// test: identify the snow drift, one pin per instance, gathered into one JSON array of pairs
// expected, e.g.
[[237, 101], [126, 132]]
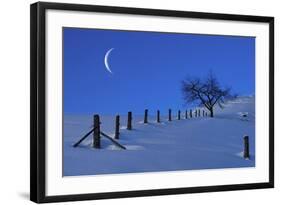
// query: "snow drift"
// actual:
[[187, 144]]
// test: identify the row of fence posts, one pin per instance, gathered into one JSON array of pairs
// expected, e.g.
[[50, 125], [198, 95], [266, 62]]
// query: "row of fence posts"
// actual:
[[197, 113], [97, 132]]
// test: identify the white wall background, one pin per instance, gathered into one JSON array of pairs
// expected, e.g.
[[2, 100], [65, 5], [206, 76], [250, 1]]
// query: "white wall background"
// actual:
[[14, 100]]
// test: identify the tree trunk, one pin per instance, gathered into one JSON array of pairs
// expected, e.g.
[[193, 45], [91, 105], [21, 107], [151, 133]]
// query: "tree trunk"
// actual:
[[211, 112]]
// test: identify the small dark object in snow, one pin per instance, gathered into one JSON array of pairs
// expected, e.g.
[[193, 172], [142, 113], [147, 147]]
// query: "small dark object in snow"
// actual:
[[243, 114]]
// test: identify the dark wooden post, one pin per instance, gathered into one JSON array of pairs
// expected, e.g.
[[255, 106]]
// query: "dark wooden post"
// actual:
[[195, 113], [145, 116], [203, 113], [186, 114], [199, 113], [246, 147], [179, 115], [117, 127], [158, 116], [96, 135], [190, 113], [129, 123], [170, 115]]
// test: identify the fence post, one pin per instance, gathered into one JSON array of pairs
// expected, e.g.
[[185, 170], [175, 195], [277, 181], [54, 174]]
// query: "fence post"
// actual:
[[170, 115], [246, 147], [198, 112], [158, 116], [117, 125], [179, 115], [129, 123], [203, 113], [195, 113], [145, 116], [186, 114], [96, 135], [190, 113]]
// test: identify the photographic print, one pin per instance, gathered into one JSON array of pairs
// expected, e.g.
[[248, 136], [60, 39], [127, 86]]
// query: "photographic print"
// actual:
[[130, 102], [139, 101]]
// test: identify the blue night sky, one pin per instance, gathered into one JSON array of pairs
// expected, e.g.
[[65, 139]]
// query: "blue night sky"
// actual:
[[148, 68]]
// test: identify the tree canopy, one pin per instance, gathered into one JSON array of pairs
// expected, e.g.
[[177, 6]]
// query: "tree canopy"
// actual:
[[207, 92]]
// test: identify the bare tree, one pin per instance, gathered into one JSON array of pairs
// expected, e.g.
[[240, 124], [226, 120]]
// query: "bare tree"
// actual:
[[206, 92]]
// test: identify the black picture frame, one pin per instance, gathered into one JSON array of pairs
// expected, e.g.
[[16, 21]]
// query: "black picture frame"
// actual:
[[38, 101]]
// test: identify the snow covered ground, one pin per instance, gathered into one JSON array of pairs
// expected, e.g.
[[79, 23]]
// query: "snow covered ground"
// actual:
[[187, 144]]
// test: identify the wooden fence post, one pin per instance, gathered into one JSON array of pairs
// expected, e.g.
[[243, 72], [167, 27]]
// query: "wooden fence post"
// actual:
[[170, 115], [145, 116], [158, 116], [179, 115], [117, 127], [129, 123], [190, 113], [246, 147], [96, 135], [198, 112], [186, 114], [195, 113]]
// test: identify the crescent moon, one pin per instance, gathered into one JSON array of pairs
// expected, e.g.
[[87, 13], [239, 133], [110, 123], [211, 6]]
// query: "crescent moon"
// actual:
[[106, 60]]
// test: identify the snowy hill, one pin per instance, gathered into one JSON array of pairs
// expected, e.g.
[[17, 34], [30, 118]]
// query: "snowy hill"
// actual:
[[187, 144]]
